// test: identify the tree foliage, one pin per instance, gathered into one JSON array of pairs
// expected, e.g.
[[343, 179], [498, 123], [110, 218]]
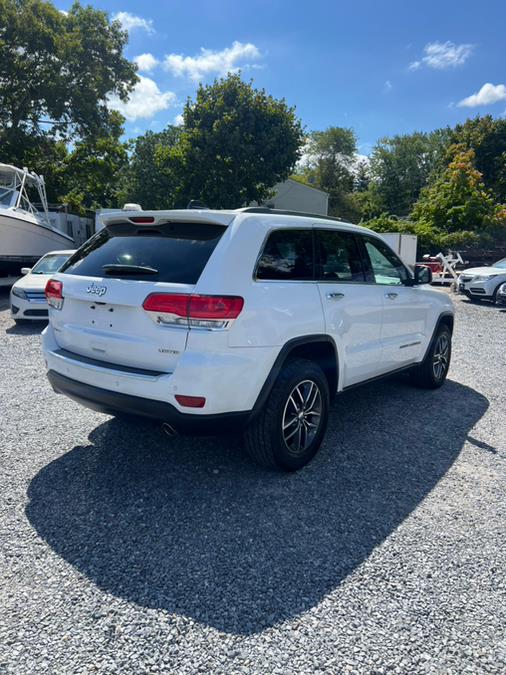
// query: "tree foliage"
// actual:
[[457, 207], [486, 136], [148, 183], [237, 142], [95, 167], [401, 166], [57, 70], [56, 73], [330, 166]]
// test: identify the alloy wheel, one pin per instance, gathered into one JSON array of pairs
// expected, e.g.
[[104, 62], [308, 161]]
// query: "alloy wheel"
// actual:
[[441, 356], [302, 416]]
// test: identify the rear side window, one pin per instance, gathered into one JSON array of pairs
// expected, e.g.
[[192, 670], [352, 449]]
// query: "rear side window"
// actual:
[[288, 254], [171, 252], [339, 257]]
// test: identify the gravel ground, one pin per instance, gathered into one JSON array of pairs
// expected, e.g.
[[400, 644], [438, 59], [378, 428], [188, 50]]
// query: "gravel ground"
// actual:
[[123, 551]]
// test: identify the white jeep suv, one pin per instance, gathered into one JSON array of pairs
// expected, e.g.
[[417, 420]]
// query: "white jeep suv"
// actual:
[[252, 319]]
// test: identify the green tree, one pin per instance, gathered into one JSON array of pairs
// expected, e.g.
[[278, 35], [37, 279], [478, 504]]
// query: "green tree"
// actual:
[[457, 208], [94, 169], [362, 176], [330, 166], [487, 137], [237, 143], [147, 184], [57, 70], [402, 165]]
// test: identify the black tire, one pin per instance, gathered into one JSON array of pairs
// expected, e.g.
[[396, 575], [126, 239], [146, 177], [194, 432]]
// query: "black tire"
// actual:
[[494, 294], [265, 440], [432, 372]]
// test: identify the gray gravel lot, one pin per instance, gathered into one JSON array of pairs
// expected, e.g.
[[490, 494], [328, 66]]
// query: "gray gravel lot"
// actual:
[[123, 551]]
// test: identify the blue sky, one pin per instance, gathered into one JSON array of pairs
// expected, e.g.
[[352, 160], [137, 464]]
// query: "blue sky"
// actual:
[[381, 67]]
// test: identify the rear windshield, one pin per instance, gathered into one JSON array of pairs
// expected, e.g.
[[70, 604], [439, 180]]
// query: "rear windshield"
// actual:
[[171, 252]]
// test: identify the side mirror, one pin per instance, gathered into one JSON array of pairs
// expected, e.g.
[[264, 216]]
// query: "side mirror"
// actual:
[[423, 275], [26, 270]]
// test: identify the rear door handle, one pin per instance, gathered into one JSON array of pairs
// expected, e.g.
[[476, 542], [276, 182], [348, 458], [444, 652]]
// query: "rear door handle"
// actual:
[[391, 296], [335, 296]]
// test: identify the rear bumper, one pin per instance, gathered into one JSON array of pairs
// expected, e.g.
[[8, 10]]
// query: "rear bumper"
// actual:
[[229, 381], [113, 402]]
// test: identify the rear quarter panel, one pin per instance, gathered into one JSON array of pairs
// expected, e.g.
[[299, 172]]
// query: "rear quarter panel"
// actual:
[[274, 311]]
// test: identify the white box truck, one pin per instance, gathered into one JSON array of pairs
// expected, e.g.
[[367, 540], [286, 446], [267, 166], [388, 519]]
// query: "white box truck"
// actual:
[[404, 245]]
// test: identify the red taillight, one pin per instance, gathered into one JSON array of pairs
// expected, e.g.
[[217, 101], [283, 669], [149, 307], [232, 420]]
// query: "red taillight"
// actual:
[[54, 293], [167, 304], [142, 219], [191, 401], [199, 311], [215, 306]]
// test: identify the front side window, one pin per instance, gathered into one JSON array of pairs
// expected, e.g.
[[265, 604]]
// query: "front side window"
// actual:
[[338, 257], [288, 254], [386, 267]]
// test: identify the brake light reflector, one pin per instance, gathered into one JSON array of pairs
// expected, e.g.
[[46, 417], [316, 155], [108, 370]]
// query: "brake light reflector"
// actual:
[[197, 311], [142, 219], [54, 293], [191, 401]]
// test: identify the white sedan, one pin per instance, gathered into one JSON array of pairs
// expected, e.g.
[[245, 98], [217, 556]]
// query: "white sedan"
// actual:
[[482, 283], [28, 301]]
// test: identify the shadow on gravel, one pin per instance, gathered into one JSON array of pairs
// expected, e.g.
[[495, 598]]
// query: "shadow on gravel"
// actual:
[[4, 297], [192, 527], [28, 328]]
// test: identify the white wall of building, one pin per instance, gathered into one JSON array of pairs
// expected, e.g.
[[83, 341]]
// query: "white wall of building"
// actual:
[[294, 196]]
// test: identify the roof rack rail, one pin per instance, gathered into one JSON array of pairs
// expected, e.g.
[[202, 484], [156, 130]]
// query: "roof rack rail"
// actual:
[[283, 212]]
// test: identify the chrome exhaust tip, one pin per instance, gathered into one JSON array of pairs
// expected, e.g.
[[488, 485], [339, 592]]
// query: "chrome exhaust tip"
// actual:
[[168, 429]]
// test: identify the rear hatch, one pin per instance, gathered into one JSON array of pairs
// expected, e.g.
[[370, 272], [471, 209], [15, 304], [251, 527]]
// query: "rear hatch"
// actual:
[[106, 283]]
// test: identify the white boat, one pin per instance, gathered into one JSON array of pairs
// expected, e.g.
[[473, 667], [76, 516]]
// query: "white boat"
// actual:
[[26, 232]]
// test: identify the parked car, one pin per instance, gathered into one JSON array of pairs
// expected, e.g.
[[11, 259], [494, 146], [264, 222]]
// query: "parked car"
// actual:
[[28, 302], [239, 320], [482, 283], [501, 295]]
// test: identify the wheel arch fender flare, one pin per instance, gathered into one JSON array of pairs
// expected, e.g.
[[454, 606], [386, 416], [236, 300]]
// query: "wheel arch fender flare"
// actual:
[[291, 347], [446, 318]]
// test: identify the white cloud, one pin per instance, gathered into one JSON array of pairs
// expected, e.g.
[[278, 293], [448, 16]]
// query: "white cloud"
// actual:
[[129, 22], [178, 121], [146, 62], [145, 100], [210, 62], [488, 94], [387, 87], [442, 55]]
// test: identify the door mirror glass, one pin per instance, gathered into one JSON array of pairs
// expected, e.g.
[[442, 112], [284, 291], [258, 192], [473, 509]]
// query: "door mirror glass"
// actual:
[[423, 274]]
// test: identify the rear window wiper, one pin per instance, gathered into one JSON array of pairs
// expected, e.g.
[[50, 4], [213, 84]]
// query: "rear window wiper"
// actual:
[[128, 269]]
